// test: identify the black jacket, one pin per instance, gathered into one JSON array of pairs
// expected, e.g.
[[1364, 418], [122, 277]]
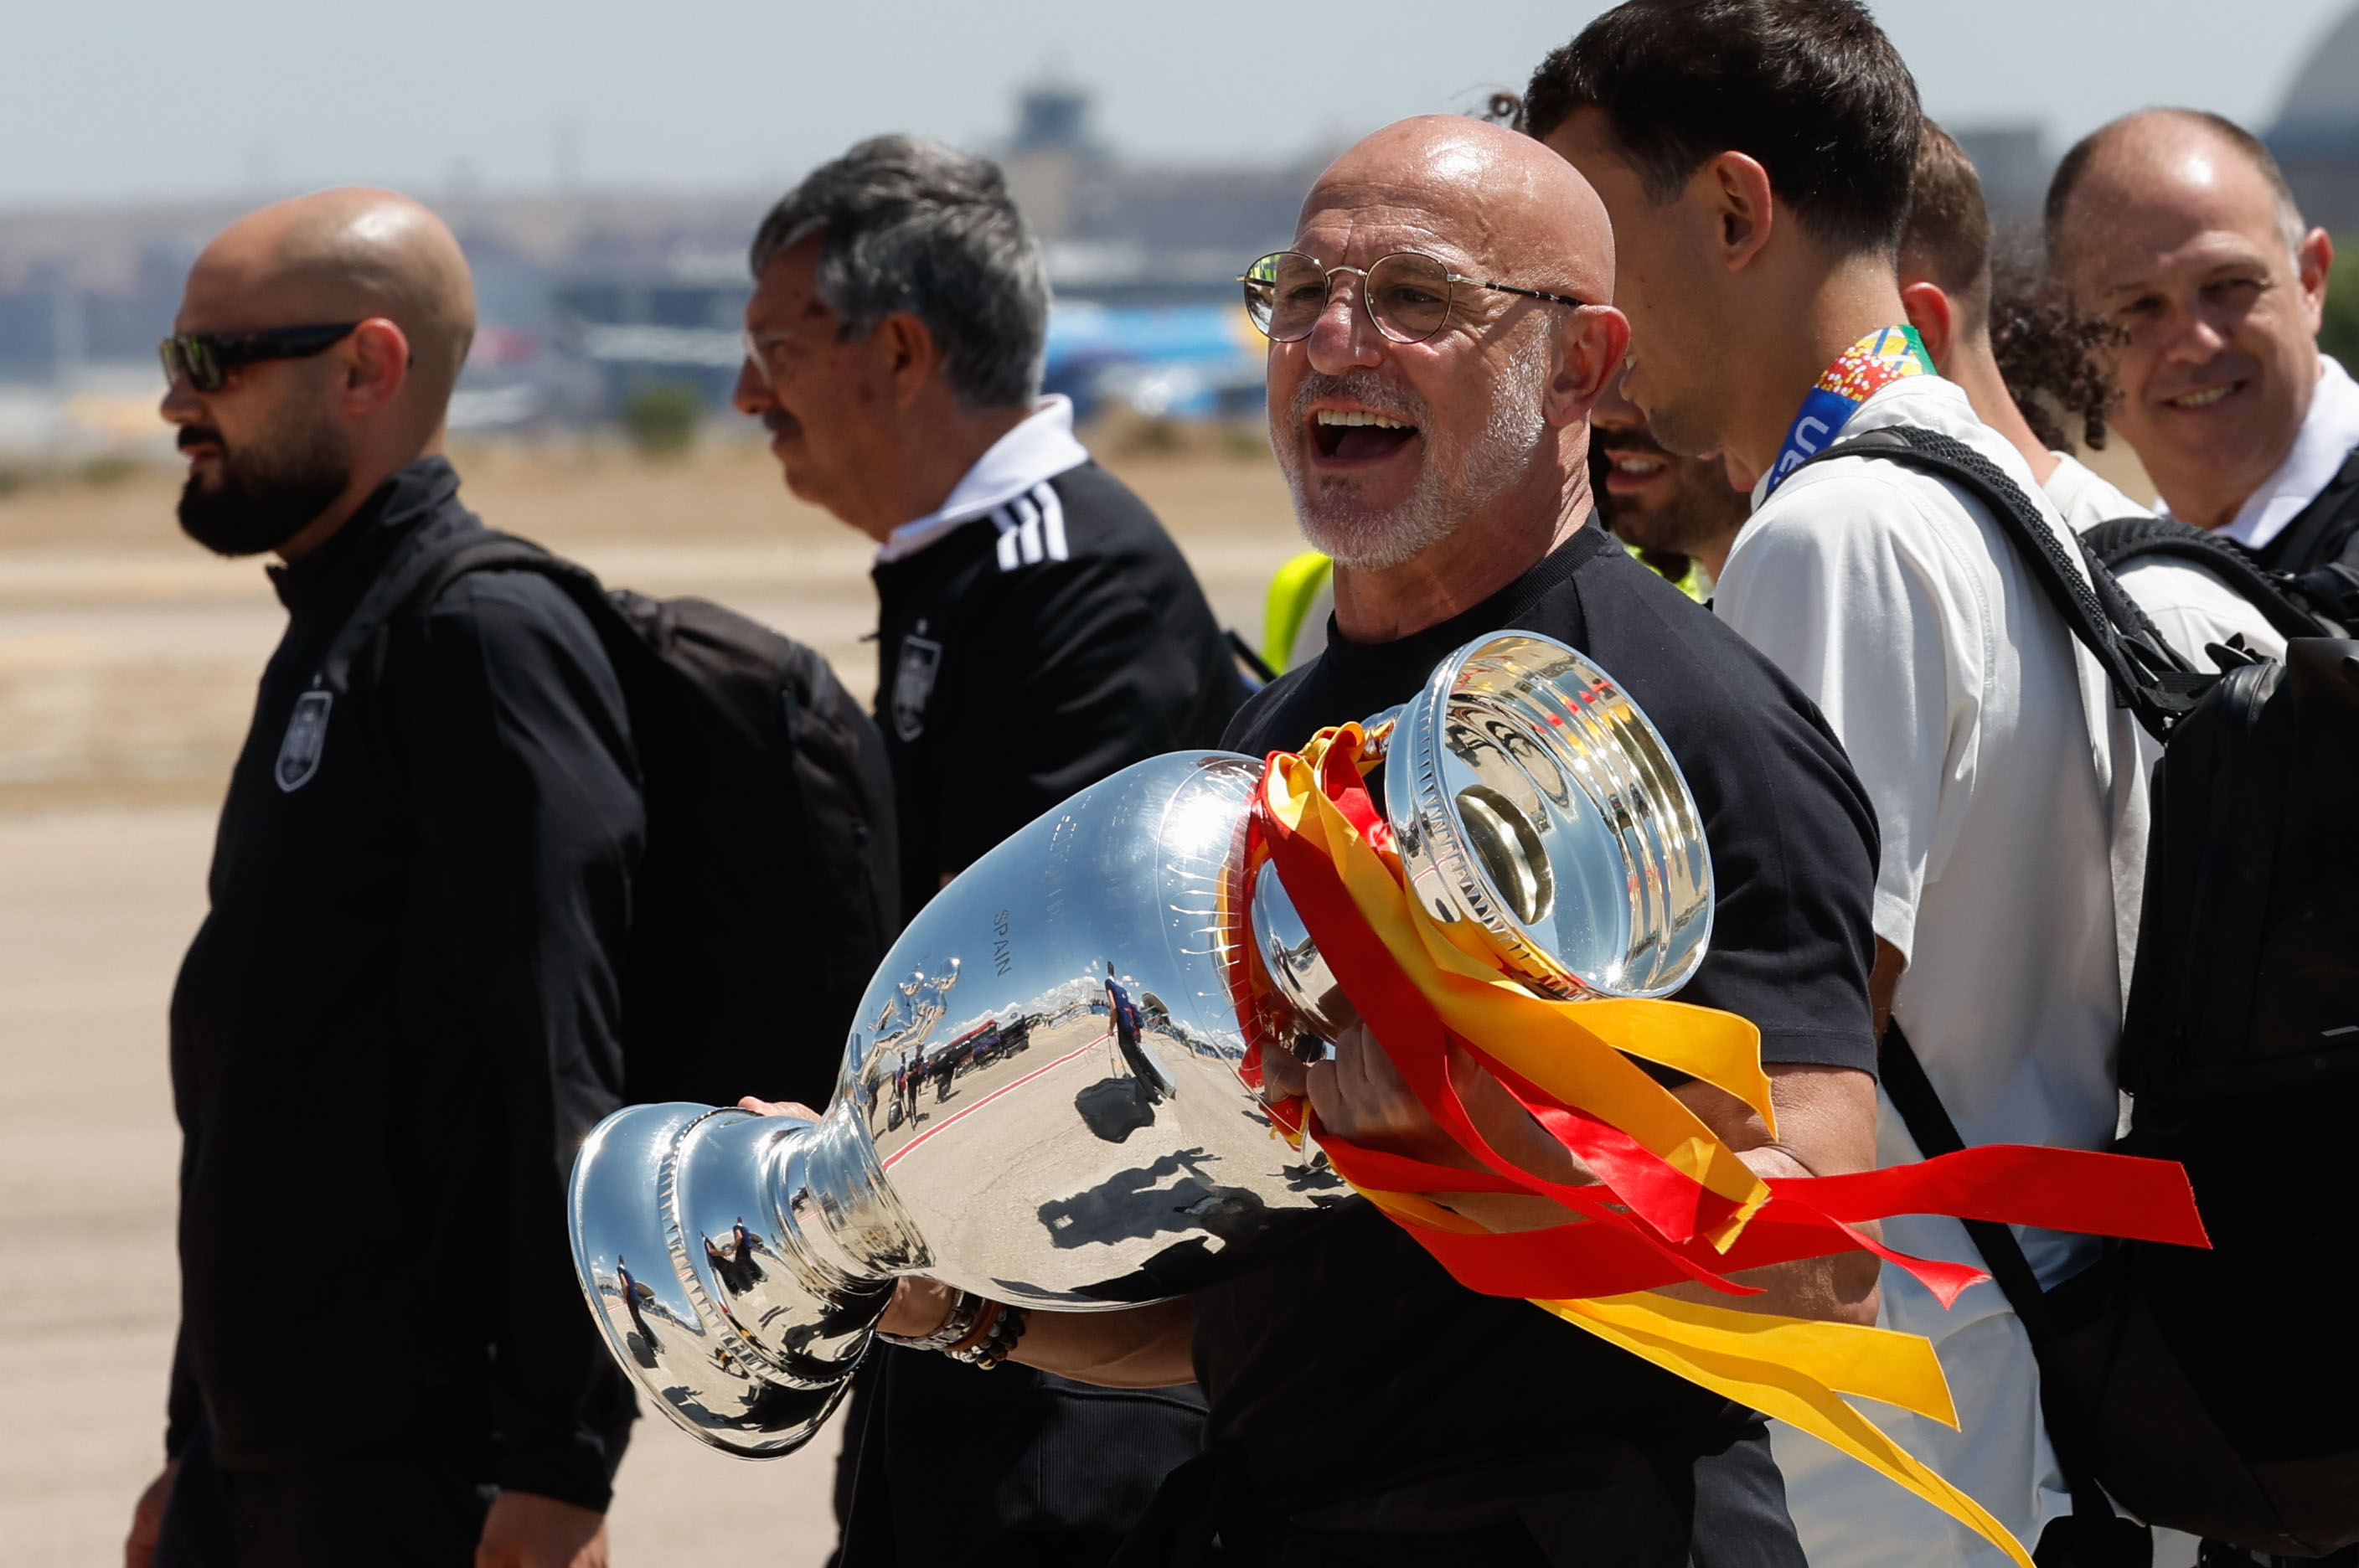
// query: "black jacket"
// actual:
[[1030, 653], [1025, 655], [2323, 529], [396, 1023]]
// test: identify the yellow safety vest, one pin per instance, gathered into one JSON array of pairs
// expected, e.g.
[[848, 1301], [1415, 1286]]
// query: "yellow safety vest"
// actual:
[[1295, 588]]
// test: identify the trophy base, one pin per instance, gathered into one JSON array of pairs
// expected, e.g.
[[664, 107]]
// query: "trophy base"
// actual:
[[719, 1319]]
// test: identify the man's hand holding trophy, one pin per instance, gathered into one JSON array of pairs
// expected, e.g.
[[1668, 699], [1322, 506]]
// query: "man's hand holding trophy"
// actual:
[[1171, 1023]]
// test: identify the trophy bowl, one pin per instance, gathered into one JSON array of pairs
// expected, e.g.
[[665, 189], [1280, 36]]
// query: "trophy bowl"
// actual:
[[1045, 1099]]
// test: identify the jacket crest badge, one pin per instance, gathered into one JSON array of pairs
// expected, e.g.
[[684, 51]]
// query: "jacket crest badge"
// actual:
[[307, 733], [913, 685]]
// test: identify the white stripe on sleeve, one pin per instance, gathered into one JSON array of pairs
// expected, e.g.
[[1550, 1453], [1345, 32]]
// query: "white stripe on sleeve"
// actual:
[[1030, 532], [1003, 521], [1052, 521]]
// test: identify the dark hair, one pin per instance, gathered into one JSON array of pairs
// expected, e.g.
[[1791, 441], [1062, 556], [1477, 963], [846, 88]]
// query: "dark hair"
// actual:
[[1948, 238], [910, 224], [1811, 89], [2048, 350], [2075, 165]]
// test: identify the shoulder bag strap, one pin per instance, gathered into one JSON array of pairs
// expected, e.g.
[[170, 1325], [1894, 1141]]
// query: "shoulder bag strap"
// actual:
[[2150, 680], [1902, 1077], [426, 562]]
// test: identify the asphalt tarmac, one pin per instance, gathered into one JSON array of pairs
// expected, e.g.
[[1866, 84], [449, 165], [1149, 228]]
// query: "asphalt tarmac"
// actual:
[[127, 665]]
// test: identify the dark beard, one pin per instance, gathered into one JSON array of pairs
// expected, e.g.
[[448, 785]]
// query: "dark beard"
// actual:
[[1705, 508], [267, 493]]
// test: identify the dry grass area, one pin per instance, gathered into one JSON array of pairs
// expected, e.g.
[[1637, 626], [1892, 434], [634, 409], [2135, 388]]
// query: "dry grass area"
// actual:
[[127, 664]]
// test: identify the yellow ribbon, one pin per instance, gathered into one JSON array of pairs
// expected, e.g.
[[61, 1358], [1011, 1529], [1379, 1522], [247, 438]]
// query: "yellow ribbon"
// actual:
[[1795, 1369]]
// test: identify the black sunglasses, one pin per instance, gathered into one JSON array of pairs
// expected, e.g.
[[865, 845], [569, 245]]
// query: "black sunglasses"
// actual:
[[207, 358]]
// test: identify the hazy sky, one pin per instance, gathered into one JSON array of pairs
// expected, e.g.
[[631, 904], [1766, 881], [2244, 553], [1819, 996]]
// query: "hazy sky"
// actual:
[[102, 99]]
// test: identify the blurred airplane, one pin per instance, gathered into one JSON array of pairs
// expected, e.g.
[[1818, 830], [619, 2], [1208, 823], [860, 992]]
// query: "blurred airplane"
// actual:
[[1179, 361]]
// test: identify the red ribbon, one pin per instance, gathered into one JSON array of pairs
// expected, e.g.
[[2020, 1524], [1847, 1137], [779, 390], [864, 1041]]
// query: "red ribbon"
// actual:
[[1646, 1219]]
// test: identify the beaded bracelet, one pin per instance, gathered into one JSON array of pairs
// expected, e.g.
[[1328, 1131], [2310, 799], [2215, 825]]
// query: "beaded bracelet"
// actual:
[[964, 1311], [997, 1340]]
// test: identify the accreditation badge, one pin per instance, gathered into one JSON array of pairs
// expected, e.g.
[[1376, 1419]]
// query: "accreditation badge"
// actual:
[[307, 733], [913, 685]]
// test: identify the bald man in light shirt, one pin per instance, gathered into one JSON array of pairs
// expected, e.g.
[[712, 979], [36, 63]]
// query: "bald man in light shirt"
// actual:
[[2177, 227], [1945, 285]]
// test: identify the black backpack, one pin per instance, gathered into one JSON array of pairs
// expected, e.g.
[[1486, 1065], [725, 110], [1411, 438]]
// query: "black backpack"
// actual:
[[768, 892], [2215, 1392]]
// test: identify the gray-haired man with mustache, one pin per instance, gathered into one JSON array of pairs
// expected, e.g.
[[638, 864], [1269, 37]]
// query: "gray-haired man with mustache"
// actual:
[[1037, 630]]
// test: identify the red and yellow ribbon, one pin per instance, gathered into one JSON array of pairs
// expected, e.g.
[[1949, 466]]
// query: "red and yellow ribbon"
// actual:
[[1672, 1201]]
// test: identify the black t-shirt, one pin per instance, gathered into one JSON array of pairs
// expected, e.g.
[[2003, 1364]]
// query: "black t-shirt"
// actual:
[[1361, 1382]]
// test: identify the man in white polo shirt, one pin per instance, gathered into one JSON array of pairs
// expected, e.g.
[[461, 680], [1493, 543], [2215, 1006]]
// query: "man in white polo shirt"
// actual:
[[1758, 269], [2177, 227]]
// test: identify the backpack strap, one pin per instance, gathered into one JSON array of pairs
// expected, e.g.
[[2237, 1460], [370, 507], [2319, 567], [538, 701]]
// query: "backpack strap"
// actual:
[[1903, 1079], [430, 560], [2124, 542], [2150, 680]]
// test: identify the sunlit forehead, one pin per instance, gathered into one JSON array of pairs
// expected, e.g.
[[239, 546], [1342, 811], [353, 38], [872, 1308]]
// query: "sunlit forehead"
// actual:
[[1354, 226]]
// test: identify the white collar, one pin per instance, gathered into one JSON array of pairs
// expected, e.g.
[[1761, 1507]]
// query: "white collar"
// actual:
[[1032, 453], [2328, 433]]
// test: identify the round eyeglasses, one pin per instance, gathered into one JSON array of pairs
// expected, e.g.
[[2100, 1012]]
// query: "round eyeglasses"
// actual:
[[1406, 294]]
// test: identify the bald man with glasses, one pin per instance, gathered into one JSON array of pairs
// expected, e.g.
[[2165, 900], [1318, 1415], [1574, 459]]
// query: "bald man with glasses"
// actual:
[[1433, 360]]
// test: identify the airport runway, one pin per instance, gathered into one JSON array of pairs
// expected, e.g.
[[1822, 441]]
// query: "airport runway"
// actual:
[[127, 665]]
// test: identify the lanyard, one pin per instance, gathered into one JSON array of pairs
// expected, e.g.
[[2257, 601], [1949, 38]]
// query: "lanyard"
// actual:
[[1883, 356]]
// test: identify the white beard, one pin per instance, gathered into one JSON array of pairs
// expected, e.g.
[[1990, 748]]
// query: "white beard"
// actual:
[[1451, 487]]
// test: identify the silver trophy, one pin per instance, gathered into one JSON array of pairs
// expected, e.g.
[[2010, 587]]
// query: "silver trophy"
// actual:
[[1043, 1100]]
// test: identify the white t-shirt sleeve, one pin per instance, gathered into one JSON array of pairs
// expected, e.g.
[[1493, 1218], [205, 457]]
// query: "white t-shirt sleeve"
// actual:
[[2193, 609], [1873, 616]]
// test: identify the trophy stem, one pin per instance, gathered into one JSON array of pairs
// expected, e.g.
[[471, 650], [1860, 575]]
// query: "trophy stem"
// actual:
[[849, 1233]]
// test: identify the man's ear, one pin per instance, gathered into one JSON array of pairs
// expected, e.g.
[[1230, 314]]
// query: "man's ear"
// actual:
[[1734, 190], [377, 364], [1934, 315], [910, 356], [1590, 348], [2315, 255]]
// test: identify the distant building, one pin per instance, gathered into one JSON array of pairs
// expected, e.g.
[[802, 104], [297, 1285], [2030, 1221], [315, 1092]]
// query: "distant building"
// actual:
[[585, 299], [1120, 234], [2013, 164]]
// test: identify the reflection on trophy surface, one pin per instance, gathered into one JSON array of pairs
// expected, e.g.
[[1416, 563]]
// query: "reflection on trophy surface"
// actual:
[[1050, 1097]]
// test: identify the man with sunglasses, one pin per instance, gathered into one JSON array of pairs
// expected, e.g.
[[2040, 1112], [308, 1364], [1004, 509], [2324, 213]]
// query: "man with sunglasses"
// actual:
[[1434, 357], [1037, 630], [402, 1011]]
